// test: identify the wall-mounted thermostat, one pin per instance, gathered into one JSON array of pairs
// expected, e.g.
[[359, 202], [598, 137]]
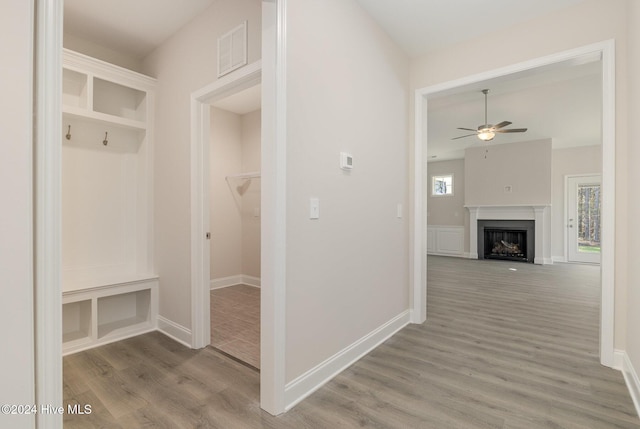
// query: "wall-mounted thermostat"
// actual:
[[346, 161]]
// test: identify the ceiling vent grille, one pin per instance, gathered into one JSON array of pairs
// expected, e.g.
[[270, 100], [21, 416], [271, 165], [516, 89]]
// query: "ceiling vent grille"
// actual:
[[232, 49]]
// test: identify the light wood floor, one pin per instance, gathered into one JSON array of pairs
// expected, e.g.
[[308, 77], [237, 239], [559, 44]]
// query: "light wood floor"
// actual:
[[500, 349], [235, 322]]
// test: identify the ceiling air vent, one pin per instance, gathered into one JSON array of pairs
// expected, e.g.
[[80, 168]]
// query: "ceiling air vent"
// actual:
[[232, 49]]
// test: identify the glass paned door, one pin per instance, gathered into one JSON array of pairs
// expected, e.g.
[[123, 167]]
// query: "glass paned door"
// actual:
[[583, 223]]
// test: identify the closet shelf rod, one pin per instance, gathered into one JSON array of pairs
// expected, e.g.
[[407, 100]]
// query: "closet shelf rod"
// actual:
[[252, 175]]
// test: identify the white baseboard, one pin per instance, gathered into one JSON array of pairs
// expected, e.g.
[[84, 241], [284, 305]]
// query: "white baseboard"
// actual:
[[250, 280], [175, 331], [312, 380], [560, 259], [239, 279], [618, 359], [632, 380], [226, 281], [453, 255]]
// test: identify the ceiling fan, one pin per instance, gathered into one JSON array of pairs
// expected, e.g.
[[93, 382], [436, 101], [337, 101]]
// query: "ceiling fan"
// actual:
[[487, 131]]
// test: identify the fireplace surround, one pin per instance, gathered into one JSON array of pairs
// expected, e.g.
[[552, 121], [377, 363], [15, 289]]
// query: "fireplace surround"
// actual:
[[540, 214]]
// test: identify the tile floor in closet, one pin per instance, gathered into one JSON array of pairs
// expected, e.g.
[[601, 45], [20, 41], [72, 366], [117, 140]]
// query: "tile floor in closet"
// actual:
[[235, 322]]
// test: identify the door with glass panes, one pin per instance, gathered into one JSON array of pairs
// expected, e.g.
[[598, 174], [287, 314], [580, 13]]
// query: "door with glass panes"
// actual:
[[583, 219]]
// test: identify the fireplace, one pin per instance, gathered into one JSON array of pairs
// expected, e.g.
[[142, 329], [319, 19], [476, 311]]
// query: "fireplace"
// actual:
[[511, 240], [537, 217]]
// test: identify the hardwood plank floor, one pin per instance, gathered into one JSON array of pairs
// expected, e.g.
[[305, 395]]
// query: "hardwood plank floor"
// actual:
[[501, 349]]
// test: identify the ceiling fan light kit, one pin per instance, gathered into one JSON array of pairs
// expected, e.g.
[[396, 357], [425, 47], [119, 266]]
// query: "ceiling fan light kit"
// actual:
[[486, 134], [488, 131]]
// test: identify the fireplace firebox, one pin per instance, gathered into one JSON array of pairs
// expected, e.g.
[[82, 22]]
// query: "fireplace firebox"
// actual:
[[511, 240]]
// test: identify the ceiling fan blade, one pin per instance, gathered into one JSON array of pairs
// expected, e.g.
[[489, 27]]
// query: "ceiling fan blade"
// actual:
[[467, 129], [501, 124], [512, 130], [468, 135]]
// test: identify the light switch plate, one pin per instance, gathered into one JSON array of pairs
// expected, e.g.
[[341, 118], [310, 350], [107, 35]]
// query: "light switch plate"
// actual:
[[314, 208]]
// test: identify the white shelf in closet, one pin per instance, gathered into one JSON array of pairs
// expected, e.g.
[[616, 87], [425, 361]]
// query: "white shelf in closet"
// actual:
[[98, 91], [103, 118], [110, 291], [75, 91], [76, 322], [101, 315]]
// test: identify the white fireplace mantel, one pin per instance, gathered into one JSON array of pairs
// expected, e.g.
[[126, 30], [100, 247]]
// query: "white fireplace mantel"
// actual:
[[538, 213]]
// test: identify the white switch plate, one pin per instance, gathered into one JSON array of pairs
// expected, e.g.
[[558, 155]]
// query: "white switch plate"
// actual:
[[399, 212], [314, 208]]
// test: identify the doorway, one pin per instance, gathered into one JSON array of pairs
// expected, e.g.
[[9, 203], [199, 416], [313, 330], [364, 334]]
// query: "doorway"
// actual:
[[583, 219], [48, 289], [606, 53], [234, 210]]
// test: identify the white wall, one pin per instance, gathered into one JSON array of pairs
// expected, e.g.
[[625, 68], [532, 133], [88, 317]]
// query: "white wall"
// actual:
[[225, 201], [94, 50], [449, 209], [184, 63], [234, 203], [251, 140], [588, 22], [508, 174], [16, 189], [580, 160], [633, 195], [347, 272]]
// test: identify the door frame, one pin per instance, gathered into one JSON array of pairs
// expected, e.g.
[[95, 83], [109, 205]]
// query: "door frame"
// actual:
[[606, 50], [47, 196], [273, 202], [201, 101], [47, 206], [566, 210]]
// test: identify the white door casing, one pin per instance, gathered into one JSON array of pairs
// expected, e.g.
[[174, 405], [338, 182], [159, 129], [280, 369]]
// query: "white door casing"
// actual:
[[606, 51]]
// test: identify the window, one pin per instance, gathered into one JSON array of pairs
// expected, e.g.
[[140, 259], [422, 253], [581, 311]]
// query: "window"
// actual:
[[442, 185]]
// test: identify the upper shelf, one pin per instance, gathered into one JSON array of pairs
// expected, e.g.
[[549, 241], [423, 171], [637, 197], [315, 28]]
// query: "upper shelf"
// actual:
[[79, 112], [111, 95]]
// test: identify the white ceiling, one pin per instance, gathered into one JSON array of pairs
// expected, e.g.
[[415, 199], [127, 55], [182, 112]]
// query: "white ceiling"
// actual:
[[420, 26], [240, 103], [560, 103], [131, 27], [136, 27]]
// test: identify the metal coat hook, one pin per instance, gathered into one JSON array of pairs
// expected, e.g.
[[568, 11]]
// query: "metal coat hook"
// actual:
[[68, 136], [106, 140]]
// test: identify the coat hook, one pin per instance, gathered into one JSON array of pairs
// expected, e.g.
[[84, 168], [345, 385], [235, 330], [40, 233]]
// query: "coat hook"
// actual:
[[105, 141], [68, 136]]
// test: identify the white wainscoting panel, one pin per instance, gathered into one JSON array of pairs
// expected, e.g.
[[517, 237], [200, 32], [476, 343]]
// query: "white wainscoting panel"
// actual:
[[445, 240]]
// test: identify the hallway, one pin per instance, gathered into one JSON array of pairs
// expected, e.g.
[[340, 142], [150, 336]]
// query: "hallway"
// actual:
[[500, 349]]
